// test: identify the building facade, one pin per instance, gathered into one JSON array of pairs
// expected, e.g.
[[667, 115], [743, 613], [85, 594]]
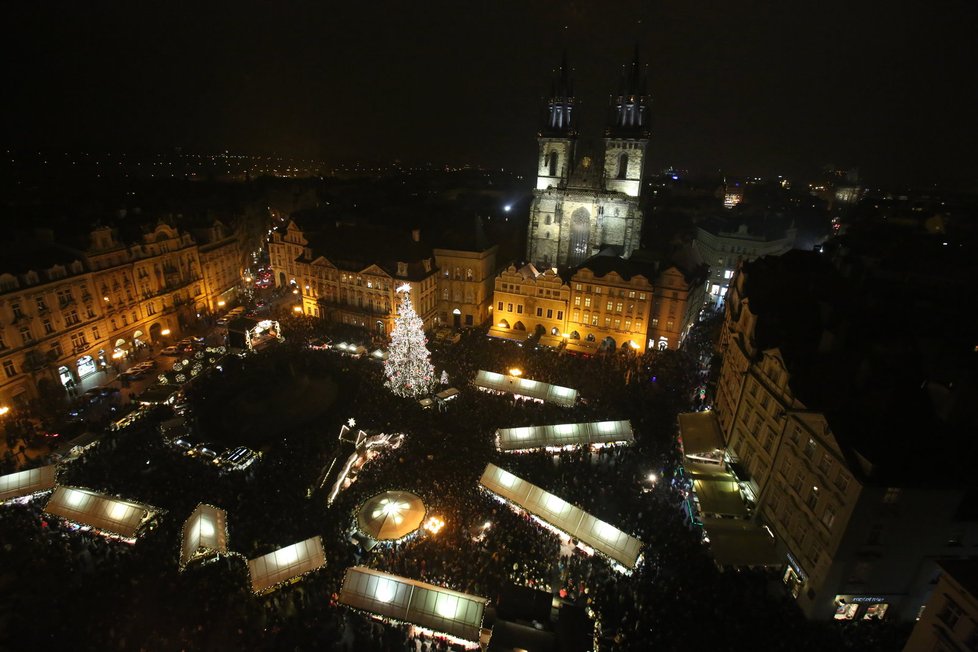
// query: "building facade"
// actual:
[[350, 275], [606, 303], [859, 533], [723, 248], [949, 620], [582, 202], [67, 314]]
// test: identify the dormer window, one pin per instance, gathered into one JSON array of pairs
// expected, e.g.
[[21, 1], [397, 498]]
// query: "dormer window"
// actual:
[[402, 269]]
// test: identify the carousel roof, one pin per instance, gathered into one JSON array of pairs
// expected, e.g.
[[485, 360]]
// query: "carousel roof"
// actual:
[[100, 511], [391, 515], [204, 534], [25, 483]]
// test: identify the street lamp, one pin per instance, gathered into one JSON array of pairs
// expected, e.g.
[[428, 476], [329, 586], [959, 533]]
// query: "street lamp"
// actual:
[[165, 332], [297, 309], [515, 372], [4, 410]]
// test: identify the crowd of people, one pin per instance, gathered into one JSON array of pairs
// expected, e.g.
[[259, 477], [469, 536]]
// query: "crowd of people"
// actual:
[[97, 593]]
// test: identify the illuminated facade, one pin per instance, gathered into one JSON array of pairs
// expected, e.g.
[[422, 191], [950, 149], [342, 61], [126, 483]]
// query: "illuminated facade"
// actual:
[[722, 248], [858, 532], [350, 275], [608, 303], [582, 203], [68, 319], [465, 285]]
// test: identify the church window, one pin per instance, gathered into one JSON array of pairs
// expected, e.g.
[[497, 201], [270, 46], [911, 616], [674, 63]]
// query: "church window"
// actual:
[[622, 166], [553, 164], [548, 220]]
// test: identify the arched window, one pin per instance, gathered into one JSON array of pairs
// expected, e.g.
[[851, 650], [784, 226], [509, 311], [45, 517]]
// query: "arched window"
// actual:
[[575, 335], [580, 234], [519, 326], [554, 331], [547, 220], [552, 162], [590, 337], [504, 324], [623, 166]]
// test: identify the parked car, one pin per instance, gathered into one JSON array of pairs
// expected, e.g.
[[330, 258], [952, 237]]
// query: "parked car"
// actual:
[[171, 350], [182, 444], [223, 321], [208, 451]]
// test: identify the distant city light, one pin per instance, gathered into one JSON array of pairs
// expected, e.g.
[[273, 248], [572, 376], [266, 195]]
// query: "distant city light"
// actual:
[[508, 207]]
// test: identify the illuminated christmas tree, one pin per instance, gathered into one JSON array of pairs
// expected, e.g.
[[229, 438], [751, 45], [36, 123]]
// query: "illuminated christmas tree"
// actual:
[[408, 366]]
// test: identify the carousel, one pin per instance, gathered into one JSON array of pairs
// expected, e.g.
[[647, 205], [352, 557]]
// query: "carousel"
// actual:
[[391, 515]]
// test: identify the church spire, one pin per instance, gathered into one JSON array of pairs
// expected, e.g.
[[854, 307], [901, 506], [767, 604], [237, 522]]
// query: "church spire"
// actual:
[[560, 105], [628, 111]]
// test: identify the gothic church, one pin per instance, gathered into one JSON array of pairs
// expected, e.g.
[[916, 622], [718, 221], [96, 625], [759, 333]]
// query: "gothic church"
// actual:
[[581, 206]]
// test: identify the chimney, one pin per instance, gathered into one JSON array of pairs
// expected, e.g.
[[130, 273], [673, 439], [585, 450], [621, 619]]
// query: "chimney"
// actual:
[[416, 235]]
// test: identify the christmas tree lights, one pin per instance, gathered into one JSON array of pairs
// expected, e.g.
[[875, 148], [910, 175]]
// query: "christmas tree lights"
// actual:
[[408, 366]]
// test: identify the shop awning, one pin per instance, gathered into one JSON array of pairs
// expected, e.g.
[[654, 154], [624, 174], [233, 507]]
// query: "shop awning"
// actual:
[[286, 564], [508, 334], [700, 432], [740, 543], [564, 434], [575, 522], [205, 534], [497, 382], [410, 601], [26, 483], [100, 511]]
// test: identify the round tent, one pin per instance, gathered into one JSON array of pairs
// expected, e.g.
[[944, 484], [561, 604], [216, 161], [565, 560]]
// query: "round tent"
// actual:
[[391, 515]]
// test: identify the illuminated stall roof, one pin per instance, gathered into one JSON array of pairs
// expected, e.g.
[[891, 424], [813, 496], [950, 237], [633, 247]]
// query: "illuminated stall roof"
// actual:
[[700, 432], [425, 605], [26, 483], [205, 534], [564, 434], [100, 511], [593, 532], [540, 391], [285, 564], [391, 515]]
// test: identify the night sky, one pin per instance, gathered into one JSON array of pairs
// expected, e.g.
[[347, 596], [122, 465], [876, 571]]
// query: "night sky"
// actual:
[[748, 88]]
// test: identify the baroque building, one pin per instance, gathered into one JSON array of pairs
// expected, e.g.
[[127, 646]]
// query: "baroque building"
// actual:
[[67, 311], [584, 202], [350, 274], [836, 425]]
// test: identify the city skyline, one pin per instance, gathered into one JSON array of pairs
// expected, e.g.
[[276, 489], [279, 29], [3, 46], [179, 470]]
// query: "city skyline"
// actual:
[[767, 90]]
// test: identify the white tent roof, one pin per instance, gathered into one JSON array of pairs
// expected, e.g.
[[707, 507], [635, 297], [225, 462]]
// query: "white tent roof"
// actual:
[[284, 564], [603, 537], [25, 483], [426, 605], [205, 533], [100, 511], [564, 434], [391, 515], [497, 382]]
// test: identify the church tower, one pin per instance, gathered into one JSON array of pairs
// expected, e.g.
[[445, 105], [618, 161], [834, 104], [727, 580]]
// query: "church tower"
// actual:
[[627, 135], [557, 135], [583, 207]]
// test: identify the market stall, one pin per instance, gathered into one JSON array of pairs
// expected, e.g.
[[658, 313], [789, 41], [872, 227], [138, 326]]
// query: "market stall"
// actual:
[[525, 387], [27, 483], [286, 565], [595, 434], [428, 606], [595, 534], [103, 513], [251, 334], [205, 534], [391, 515]]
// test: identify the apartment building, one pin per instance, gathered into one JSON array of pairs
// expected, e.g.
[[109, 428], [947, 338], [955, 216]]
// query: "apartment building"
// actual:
[[838, 443]]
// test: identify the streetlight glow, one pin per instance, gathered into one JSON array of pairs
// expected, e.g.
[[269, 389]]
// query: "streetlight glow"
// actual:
[[515, 372]]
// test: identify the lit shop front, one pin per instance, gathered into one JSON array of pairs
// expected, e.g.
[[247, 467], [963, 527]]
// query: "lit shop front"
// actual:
[[248, 334], [862, 607], [86, 366], [794, 577]]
